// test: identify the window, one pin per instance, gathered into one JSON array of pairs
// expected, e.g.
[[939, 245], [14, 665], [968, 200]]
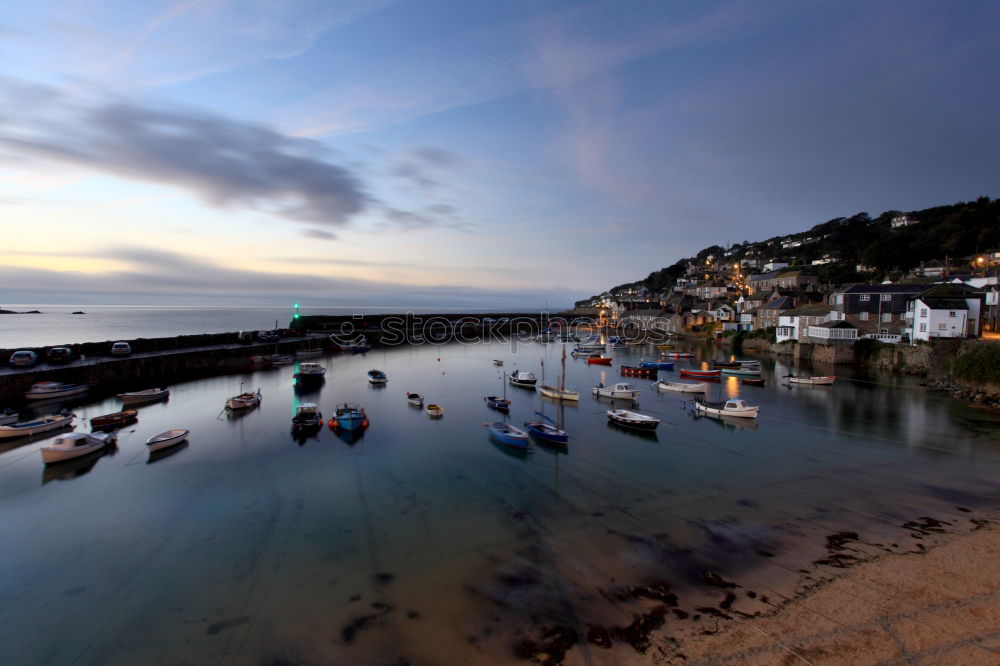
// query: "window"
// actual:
[[886, 316], [863, 316], [923, 328], [942, 326], [923, 313], [865, 297], [886, 297], [951, 314]]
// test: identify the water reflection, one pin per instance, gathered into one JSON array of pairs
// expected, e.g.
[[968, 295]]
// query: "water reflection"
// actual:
[[160, 454]]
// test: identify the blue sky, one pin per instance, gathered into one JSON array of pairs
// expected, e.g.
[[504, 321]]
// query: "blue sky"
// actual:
[[483, 154]]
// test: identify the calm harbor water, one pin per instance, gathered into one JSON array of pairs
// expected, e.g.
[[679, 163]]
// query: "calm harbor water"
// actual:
[[423, 542], [56, 325]]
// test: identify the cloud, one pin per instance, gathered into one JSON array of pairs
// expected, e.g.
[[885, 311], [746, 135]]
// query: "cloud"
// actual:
[[318, 234], [437, 156], [416, 176], [166, 277], [226, 163]]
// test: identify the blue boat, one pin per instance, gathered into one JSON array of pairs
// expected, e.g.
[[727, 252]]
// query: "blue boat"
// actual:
[[546, 430], [663, 365], [508, 434], [349, 416], [497, 403]]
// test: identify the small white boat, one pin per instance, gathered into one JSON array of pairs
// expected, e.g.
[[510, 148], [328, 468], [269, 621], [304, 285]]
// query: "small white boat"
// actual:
[[814, 381], [620, 391], [310, 371], [523, 378], [167, 439], [148, 395], [434, 410], [377, 377], [682, 387], [36, 426], [415, 399], [243, 401], [46, 390], [731, 407], [76, 444], [558, 393], [624, 417], [8, 416]]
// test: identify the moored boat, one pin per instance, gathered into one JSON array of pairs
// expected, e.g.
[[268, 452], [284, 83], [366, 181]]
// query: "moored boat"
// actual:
[[359, 344], [724, 364], [508, 434], [701, 374], [545, 430], [679, 354], [620, 391], [415, 399], [497, 403], [741, 372], [307, 417], [76, 444], [633, 371], [47, 390], [243, 401], [274, 360], [147, 395], [682, 387], [434, 410], [497, 361], [523, 378], [36, 426], [814, 381], [661, 364], [731, 407], [624, 417], [113, 420], [377, 377], [167, 438], [349, 416], [8, 416], [752, 381], [599, 360], [310, 371]]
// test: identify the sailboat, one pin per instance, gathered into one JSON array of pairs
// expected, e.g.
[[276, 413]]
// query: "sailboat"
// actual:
[[499, 404], [560, 393], [546, 430]]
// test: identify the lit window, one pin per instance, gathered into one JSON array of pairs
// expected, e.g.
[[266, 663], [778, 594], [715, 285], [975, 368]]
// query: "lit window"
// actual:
[[866, 297], [886, 297]]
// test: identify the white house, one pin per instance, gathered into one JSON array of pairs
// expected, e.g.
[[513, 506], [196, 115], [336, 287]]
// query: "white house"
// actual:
[[774, 266], [944, 318]]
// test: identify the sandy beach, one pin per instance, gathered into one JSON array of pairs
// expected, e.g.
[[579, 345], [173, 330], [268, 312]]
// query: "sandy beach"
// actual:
[[941, 606]]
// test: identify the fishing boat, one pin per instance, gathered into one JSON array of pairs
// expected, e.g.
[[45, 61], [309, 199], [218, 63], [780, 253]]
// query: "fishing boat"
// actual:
[[76, 444], [415, 399], [546, 430], [243, 400], [47, 390], [661, 364], [624, 417], [359, 344], [634, 371], [8, 416], [599, 360], [752, 381], [166, 439], [558, 392], [741, 372], [813, 381], [348, 416], [682, 387], [147, 395], [620, 391], [114, 420], [522, 378], [582, 353], [310, 371], [497, 361], [434, 411], [701, 374], [377, 377], [307, 417], [731, 407], [36, 426], [679, 354], [590, 347], [510, 435]]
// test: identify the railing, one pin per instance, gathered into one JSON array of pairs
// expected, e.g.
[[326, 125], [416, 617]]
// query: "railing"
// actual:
[[884, 337]]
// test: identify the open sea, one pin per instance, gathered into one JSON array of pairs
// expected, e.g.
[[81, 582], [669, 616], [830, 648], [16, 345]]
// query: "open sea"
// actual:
[[424, 542], [99, 323]]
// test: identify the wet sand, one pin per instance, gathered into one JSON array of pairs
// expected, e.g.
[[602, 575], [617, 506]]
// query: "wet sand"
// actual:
[[940, 606]]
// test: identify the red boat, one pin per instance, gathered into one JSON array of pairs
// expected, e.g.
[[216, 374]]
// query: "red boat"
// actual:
[[702, 374], [599, 360], [113, 420], [632, 371], [752, 381]]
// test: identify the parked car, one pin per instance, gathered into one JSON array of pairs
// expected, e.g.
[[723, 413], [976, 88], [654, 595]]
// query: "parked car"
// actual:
[[23, 359], [59, 355], [121, 349], [268, 336]]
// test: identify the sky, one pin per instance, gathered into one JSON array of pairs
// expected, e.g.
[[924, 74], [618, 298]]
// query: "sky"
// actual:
[[484, 154]]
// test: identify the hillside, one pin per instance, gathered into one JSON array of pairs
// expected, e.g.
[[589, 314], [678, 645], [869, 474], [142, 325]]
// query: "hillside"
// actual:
[[954, 233]]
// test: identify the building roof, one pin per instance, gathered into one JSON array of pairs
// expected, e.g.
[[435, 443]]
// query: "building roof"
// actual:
[[945, 303], [837, 323], [886, 289], [817, 310], [779, 304]]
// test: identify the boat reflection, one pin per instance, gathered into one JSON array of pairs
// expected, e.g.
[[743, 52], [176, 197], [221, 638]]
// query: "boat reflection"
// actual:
[[649, 435], [728, 422], [350, 437], [513, 452], [160, 454], [75, 467]]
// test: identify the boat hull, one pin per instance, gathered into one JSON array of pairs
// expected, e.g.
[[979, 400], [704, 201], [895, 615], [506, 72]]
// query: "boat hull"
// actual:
[[140, 397], [628, 421], [34, 427], [95, 442], [747, 413], [499, 404], [166, 439], [116, 419], [61, 392], [509, 435], [681, 387], [812, 381], [702, 374], [558, 393]]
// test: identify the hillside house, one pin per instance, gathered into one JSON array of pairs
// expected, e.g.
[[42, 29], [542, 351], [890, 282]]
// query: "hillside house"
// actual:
[[880, 309], [947, 311], [794, 324], [767, 314]]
